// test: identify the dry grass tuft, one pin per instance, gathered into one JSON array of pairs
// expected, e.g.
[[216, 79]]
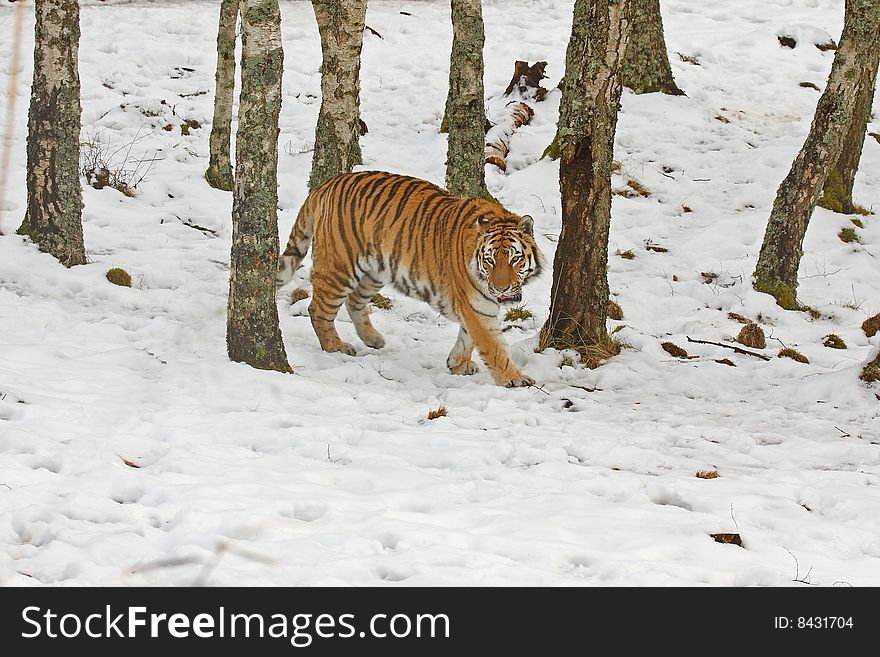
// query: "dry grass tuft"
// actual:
[[708, 474], [381, 302], [119, 276], [848, 235], [833, 341], [674, 350], [615, 312], [871, 325], [732, 539], [298, 295], [736, 317], [518, 314], [638, 188], [871, 372], [629, 254], [788, 352], [440, 412], [752, 335], [595, 354]]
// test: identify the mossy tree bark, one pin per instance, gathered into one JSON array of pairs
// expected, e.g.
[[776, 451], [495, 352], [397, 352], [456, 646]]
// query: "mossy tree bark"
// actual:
[[465, 114], [252, 332], [53, 219], [219, 173], [646, 66], [837, 194], [587, 123], [337, 149], [781, 251]]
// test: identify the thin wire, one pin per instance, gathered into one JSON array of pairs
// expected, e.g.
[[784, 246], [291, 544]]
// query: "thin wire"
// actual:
[[10, 106]]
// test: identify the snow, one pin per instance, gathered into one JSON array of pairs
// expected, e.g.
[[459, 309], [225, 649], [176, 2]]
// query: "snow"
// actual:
[[334, 475]]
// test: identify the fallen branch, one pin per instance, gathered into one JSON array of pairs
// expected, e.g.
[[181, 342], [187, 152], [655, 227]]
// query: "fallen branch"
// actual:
[[498, 138], [730, 346], [374, 32]]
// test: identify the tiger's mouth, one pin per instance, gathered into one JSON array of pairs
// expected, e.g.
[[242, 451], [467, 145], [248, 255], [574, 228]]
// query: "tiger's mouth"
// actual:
[[513, 298]]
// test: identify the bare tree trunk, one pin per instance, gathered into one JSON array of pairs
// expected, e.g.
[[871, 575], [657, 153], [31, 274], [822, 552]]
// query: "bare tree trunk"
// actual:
[[646, 66], [53, 219], [465, 114], [337, 150], [587, 123], [252, 332], [838, 189], [776, 271], [219, 173]]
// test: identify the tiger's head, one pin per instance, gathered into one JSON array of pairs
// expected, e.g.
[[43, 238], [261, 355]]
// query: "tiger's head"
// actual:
[[506, 256]]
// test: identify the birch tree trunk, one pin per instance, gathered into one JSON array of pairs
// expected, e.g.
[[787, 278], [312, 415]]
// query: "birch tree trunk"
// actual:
[[219, 173], [587, 123], [465, 114], [776, 271], [252, 332], [646, 66], [53, 219], [337, 150], [838, 189]]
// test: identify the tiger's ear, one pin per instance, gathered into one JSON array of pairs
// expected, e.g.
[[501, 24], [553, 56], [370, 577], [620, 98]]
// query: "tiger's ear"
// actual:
[[483, 224], [527, 225]]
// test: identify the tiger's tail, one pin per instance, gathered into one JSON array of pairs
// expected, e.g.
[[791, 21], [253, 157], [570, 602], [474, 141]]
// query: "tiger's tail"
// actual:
[[297, 244]]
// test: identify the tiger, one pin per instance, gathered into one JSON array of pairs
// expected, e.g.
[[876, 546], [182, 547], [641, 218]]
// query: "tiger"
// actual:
[[465, 257]]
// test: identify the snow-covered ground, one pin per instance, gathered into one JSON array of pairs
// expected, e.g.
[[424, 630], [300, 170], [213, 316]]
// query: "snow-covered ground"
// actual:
[[132, 452]]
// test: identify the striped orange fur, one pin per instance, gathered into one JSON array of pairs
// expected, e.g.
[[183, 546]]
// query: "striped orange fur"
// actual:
[[463, 256]]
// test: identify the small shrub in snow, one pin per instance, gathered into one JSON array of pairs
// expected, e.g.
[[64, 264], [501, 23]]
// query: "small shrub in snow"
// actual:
[[708, 474], [440, 412], [298, 294], [834, 341]]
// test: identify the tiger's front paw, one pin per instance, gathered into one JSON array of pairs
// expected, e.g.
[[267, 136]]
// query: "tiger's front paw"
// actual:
[[343, 347], [466, 368], [520, 381]]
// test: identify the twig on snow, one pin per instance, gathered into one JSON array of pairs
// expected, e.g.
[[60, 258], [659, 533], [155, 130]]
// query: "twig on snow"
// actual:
[[730, 346]]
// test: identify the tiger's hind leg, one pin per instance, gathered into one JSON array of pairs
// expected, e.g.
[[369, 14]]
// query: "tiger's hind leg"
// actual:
[[328, 295], [459, 360], [357, 303]]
